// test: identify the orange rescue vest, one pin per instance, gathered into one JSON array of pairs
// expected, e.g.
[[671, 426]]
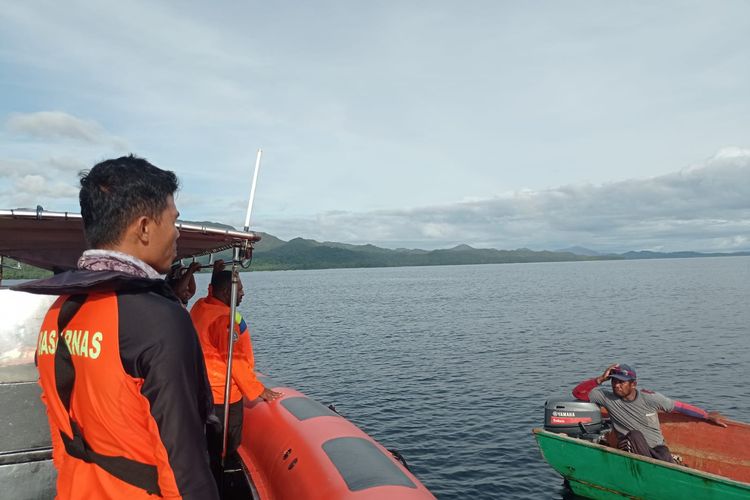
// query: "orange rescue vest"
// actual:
[[106, 404], [211, 319]]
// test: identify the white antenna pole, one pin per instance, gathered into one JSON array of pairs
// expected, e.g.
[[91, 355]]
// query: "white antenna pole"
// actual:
[[252, 191]]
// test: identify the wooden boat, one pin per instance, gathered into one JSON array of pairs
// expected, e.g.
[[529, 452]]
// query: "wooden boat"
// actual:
[[293, 448], [716, 463]]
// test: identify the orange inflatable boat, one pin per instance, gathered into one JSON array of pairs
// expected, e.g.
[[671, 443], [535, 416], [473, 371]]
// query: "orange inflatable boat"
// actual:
[[295, 449]]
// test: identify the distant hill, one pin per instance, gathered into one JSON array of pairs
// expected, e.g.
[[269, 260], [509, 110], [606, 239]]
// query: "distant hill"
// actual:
[[461, 248], [208, 223], [644, 254], [273, 253], [300, 253], [268, 242], [580, 251]]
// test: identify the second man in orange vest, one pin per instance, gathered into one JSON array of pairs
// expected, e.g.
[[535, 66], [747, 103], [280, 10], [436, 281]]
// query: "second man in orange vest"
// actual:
[[211, 319]]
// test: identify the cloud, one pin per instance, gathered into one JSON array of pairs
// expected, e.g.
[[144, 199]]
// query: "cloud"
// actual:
[[12, 167], [38, 185], [45, 171], [58, 166], [67, 164], [702, 207], [54, 125], [50, 182], [34, 189]]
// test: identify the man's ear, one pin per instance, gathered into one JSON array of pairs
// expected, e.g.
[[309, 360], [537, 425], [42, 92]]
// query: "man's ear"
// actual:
[[143, 229]]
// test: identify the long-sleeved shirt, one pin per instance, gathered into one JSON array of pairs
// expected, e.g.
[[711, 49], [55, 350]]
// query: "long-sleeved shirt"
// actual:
[[639, 414]]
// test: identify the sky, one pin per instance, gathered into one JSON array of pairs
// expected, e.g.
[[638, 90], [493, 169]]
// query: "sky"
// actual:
[[422, 124]]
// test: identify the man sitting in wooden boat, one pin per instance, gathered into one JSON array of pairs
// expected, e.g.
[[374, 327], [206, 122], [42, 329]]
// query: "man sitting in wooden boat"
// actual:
[[634, 412], [211, 319]]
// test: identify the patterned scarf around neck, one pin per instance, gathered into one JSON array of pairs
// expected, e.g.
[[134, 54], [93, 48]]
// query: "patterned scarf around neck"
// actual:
[[112, 260]]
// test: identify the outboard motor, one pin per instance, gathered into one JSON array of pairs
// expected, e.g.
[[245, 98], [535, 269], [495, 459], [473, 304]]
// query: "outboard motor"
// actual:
[[579, 419]]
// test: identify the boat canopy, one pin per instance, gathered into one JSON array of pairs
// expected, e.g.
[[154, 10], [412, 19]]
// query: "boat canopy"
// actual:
[[55, 240]]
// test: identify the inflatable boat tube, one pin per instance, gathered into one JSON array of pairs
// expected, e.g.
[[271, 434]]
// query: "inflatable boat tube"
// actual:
[[297, 449]]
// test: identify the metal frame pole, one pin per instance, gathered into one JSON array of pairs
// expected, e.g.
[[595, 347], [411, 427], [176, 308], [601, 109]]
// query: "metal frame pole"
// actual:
[[236, 262], [230, 350]]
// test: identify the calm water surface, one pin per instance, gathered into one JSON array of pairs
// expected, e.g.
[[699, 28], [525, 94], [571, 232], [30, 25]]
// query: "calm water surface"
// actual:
[[452, 365]]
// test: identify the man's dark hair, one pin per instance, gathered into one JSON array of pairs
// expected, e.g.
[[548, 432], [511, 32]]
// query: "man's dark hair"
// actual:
[[221, 281], [115, 192]]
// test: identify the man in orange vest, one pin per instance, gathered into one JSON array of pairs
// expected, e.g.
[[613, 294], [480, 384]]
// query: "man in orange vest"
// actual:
[[120, 366], [211, 319]]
